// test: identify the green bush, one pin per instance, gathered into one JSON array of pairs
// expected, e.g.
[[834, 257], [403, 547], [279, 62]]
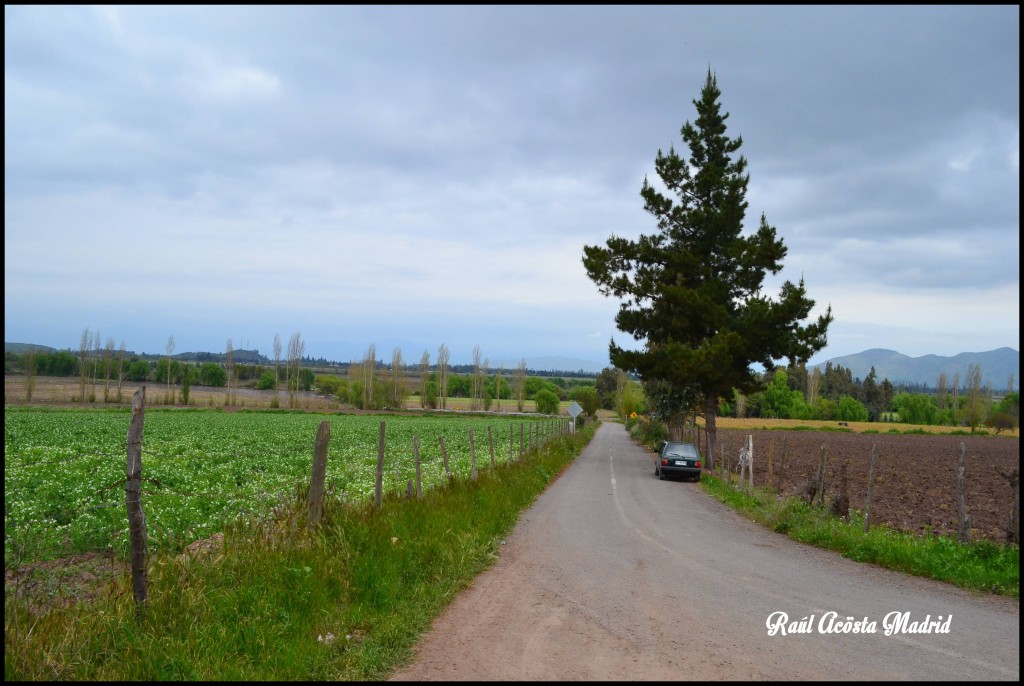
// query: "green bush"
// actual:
[[428, 400], [138, 370], [586, 396], [547, 402], [267, 382], [648, 432], [212, 374], [851, 410]]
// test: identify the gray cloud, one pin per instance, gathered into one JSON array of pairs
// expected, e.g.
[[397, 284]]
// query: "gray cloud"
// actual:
[[451, 159]]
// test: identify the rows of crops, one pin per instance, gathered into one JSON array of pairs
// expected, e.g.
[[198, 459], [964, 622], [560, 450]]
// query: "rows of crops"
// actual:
[[64, 469]]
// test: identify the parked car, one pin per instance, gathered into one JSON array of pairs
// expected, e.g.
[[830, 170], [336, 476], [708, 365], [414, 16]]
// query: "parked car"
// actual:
[[678, 459]]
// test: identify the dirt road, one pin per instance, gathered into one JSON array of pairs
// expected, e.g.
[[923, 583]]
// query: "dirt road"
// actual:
[[613, 574]]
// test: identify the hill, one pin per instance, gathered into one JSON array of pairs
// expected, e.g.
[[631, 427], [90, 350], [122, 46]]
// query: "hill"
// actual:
[[22, 348], [996, 367]]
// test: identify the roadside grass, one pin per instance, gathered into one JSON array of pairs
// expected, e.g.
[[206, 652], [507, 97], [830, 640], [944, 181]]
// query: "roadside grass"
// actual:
[[980, 566], [280, 601]]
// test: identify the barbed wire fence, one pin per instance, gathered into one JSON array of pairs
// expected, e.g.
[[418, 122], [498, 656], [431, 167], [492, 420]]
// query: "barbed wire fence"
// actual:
[[831, 483]]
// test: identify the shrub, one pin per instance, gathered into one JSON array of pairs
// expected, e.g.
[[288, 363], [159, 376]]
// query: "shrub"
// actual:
[[547, 402], [138, 370], [212, 374], [649, 432], [429, 398], [587, 397], [1001, 421], [851, 410]]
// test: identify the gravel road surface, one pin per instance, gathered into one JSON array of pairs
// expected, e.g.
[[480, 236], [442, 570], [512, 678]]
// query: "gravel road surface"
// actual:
[[613, 575]]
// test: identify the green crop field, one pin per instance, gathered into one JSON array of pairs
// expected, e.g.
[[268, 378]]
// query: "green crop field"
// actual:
[[64, 469]]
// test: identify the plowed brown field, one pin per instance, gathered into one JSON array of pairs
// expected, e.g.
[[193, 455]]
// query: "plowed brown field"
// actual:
[[915, 478]]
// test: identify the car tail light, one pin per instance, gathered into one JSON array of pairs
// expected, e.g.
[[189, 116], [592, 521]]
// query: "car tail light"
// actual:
[[664, 461], [697, 463]]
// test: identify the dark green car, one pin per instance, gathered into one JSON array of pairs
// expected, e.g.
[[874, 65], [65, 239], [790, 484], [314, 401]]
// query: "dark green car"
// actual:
[[678, 459]]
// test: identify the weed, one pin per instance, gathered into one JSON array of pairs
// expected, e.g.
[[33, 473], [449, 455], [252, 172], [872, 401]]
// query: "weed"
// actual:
[[982, 565]]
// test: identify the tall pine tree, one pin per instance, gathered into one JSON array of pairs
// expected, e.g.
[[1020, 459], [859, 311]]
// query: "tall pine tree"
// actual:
[[693, 290]]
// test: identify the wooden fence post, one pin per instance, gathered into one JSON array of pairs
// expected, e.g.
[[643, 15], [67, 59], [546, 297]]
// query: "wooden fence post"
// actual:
[[444, 456], [472, 456], [520, 441], [380, 466], [316, 482], [1012, 477], [840, 506], [490, 444], [742, 467], [963, 532], [416, 459], [771, 449], [730, 456], [511, 442], [750, 461], [821, 477], [871, 486], [133, 501], [782, 465], [727, 460]]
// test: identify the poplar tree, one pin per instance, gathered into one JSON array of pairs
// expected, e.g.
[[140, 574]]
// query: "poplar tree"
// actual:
[[277, 361], [83, 349], [693, 290], [442, 374], [169, 396], [519, 384], [397, 389]]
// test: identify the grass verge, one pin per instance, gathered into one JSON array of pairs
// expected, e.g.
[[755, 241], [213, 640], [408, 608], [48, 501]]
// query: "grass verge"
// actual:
[[279, 601], [980, 566]]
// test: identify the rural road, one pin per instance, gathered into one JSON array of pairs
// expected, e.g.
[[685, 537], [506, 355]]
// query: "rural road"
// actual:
[[613, 575]]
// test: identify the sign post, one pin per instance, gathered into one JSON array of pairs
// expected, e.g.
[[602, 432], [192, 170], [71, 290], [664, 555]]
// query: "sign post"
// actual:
[[575, 410]]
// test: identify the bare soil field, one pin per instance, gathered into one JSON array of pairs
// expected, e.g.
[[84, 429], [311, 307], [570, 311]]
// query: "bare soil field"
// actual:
[[65, 391], [915, 478]]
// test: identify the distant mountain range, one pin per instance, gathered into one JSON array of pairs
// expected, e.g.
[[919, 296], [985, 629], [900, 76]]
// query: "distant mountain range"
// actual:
[[996, 367]]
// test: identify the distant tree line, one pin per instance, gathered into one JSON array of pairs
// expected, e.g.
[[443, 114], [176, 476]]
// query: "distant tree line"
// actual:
[[835, 394]]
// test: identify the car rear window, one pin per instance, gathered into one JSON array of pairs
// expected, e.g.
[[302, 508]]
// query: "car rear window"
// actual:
[[681, 450]]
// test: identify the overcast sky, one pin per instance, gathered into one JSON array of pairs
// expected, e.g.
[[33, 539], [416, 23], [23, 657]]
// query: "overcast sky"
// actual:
[[412, 176]]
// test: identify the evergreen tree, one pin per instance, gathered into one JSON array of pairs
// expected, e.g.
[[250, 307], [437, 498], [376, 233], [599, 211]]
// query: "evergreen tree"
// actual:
[[693, 290]]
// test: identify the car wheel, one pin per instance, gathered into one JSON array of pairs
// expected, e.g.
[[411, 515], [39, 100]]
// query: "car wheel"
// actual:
[[697, 478], [661, 475]]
